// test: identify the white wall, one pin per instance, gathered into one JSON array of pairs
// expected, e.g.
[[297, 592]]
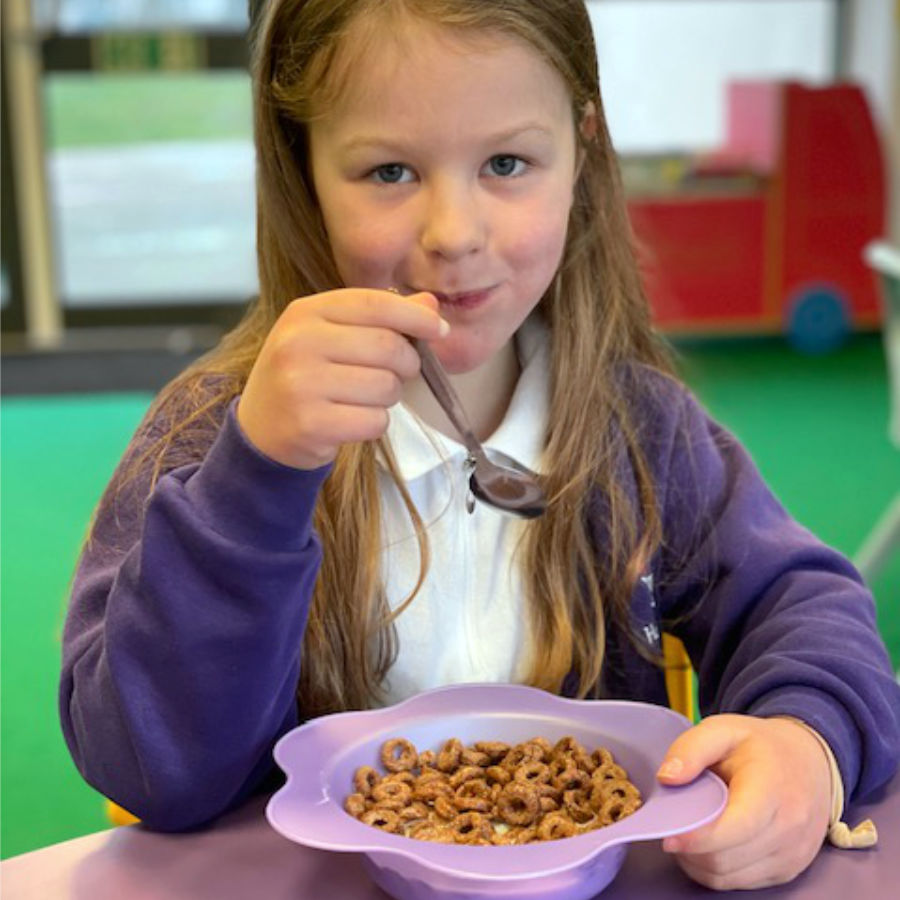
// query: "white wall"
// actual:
[[873, 26], [664, 63], [873, 58]]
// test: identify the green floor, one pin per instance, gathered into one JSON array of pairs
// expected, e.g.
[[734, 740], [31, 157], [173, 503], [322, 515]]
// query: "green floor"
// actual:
[[816, 426]]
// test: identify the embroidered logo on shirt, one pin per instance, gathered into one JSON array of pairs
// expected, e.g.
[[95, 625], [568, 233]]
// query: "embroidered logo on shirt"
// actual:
[[651, 631]]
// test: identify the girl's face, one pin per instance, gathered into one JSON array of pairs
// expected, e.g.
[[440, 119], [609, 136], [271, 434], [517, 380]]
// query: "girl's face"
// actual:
[[448, 166]]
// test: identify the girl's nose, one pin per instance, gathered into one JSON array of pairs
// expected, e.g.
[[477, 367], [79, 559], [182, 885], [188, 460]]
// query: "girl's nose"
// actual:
[[454, 224]]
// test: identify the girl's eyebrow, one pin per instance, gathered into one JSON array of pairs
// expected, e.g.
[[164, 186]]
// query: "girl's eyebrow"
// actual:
[[373, 142], [519, 131]]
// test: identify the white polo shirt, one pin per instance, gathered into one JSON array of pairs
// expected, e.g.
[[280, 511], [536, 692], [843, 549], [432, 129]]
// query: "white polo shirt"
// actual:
[[468, 622]]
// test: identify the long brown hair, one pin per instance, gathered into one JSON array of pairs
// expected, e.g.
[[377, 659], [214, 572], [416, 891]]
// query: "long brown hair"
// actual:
[[599, 324]]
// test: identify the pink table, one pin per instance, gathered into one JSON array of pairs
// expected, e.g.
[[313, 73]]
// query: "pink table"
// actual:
[[242, 857]]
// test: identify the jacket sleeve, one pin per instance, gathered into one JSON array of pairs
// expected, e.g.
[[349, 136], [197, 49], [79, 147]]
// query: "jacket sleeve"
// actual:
[[775, 622], [181, 648]]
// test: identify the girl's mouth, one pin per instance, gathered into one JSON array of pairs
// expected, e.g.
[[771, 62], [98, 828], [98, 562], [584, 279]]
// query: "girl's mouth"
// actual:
[[463, 299]]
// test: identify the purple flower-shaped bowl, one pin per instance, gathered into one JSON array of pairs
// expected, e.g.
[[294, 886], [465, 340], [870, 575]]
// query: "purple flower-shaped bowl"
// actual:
[[321, 757]]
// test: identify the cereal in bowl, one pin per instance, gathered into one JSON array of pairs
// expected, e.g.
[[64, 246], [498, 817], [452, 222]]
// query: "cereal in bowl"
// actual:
[[492, 793]]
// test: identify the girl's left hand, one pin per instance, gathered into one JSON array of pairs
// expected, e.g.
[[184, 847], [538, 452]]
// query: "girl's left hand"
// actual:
[[779, 800]]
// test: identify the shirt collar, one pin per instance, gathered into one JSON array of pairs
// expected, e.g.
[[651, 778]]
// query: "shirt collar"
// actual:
[[418, 448]]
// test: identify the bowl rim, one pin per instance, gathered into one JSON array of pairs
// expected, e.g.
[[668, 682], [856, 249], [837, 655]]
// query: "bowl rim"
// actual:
[[707, 788]]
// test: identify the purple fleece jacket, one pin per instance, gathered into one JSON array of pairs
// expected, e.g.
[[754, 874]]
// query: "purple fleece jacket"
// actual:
[[181, 650]]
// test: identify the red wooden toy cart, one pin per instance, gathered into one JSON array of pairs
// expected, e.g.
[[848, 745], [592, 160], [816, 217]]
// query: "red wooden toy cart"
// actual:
[[766, 234]]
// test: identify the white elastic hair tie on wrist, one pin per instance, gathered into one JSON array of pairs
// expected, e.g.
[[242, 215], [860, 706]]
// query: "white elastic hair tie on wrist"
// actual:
[[840, 834]]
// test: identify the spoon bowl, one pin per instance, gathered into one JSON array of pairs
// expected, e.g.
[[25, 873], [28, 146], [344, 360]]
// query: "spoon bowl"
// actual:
[[515, 491], [507, 490]]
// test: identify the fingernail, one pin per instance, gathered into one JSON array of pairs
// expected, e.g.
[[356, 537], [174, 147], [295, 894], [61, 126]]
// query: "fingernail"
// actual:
[[445, 328], [671, 845], [671, 768]]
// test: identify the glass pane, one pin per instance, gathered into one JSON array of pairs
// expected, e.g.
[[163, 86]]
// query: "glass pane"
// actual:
[[664, 64], [104, 15], [151, 184], [152, 174]]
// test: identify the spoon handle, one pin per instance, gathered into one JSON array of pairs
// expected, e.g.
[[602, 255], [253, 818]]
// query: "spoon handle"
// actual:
[[436, 379]]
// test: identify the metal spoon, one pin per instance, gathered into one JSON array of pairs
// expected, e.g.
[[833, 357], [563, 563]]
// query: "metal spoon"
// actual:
[[509, 490]]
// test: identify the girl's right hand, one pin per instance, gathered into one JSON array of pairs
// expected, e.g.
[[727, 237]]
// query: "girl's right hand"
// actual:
[[329, 369]]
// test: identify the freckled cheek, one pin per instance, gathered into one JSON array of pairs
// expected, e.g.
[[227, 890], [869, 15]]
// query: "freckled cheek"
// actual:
[[536, 247], [366, 252]]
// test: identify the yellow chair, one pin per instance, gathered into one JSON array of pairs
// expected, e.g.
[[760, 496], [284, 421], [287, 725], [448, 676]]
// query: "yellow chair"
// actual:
[[679, 677], [118, 815]]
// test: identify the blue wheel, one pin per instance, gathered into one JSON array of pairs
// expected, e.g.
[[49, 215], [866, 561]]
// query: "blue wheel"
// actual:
[[818, 319]]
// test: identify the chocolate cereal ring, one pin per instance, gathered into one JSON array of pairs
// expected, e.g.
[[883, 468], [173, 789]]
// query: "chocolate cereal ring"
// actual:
[[533, 772], [414, 812], [428, 791], [568, 746], [464, 774], [610, 772], [522, 753], [365, 779], [544, 745], [392, 795], [474, 796], [577, 805], [444, 806], [402, 777], [518, 804], [602, 757], [471, 828], [619, 790], [548, 804], [494, 750], [356, 805], [498, 775], [426, 775], [555, 826], [399, 755], [572, 780], [615, 808], [448, 758], [385, 819], [473, 757]]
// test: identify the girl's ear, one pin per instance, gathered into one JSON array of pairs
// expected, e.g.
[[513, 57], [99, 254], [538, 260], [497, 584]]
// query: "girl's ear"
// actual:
[[587, 129], [588, 124]]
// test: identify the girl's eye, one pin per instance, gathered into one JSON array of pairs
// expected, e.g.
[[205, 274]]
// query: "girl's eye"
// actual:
[[391, 173], [506, 166]]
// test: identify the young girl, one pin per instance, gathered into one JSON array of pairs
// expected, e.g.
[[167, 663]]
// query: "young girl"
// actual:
[[287, 535]]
